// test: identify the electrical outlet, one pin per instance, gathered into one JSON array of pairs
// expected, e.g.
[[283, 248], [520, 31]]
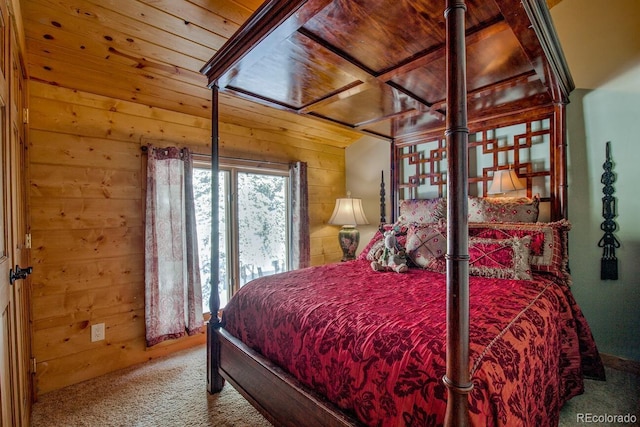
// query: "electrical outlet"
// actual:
[[97, 332]]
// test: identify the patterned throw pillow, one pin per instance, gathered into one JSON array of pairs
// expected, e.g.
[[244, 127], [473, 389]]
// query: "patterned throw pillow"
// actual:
[[505, 259], [427, 245], [503, 209], [422, 211]]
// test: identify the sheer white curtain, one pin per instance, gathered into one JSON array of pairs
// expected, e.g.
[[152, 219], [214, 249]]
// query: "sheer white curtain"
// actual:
[[173, 292]]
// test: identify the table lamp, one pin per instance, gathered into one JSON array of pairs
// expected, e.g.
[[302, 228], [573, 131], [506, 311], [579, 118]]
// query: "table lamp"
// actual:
[[505, 181], [348, 213]]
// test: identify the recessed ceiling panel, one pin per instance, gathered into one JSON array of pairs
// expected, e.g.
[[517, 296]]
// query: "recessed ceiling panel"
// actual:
[[295, 73], [428, 83], [528, 93], [379, 101], [383, 128], [376, 35], [495, 59], [381, 35], [405, 126]]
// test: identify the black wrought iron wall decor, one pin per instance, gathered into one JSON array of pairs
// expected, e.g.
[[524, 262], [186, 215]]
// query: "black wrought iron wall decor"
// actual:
[[608, 242]]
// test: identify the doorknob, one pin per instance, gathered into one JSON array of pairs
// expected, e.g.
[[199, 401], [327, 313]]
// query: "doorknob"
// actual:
[[19, 273]]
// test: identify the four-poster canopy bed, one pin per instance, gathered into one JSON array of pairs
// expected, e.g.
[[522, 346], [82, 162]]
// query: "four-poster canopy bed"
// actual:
[[446, 83]]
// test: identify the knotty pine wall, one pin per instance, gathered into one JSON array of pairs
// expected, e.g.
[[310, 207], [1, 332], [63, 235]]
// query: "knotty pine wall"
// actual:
[[86, 200]]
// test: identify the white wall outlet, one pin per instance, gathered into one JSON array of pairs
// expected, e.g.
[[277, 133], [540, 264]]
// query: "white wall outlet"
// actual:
[[97, 332]]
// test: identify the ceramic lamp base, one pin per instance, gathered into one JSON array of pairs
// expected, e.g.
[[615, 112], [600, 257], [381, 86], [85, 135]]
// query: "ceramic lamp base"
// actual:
[[349, 238]]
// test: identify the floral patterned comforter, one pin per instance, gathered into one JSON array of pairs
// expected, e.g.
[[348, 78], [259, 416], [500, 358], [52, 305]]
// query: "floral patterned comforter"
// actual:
[[374, 342]]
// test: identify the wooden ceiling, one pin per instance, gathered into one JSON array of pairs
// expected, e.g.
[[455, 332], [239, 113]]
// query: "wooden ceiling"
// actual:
[[146, 51], [150, 52]]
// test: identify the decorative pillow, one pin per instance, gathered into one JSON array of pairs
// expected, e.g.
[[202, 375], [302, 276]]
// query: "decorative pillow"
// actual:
[[374, 248], [503, 209], [548, 247], [505, 259], [509, 230], [426, 245], [422, 211]]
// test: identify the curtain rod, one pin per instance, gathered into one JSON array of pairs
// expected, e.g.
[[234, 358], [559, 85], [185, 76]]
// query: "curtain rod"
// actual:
[[145, 149]]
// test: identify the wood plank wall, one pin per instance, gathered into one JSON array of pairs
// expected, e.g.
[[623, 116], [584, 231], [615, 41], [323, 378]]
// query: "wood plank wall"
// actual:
[[86, 196]]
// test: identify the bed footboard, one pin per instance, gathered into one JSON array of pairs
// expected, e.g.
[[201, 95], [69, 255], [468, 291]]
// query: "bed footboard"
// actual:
[[274, 393]]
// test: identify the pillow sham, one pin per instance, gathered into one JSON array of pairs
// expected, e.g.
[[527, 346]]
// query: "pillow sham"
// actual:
[[426, 245], [501, 258], [422, 210], [548, 246], [503, 209]]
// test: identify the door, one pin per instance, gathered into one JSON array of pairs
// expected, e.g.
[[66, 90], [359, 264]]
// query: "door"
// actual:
[[253, 221], [15, 375], [20, 232], [6, 292], [262, 217], [6, 256]]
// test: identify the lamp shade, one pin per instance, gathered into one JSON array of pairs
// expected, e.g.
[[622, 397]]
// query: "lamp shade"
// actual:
[[505, 181], [348, 211]]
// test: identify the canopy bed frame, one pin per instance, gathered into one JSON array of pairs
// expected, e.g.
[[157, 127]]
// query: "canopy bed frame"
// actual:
[[408, 71]]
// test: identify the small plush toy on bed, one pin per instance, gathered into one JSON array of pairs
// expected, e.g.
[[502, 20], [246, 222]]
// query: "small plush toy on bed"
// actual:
[[393, 256]]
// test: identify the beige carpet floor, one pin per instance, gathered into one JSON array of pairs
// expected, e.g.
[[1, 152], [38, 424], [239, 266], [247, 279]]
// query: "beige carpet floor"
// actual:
[[171, 392], [166, 392]]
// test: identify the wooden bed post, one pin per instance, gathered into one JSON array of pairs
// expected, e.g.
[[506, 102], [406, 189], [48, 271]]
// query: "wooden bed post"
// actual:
[[394, 180], [457, 135], [215, 382], [559, 207]]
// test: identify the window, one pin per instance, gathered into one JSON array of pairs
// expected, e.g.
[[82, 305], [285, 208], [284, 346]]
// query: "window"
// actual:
[[254, 224]]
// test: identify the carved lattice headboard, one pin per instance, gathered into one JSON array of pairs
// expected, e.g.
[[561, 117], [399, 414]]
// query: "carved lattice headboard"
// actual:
[[526, 146]]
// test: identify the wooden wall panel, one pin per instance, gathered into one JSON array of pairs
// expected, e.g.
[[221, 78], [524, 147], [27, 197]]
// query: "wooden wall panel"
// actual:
[[88, 244], [53, 181], [72, 338], [76, 275], [69, 213], [86, 196], [74, 150]]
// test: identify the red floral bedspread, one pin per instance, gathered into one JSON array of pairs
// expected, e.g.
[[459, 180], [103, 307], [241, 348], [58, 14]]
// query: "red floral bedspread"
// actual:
[[374, 343]]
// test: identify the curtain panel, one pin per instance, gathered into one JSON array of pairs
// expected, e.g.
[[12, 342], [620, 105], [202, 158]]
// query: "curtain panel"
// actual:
[[173, 291], [300, 240]]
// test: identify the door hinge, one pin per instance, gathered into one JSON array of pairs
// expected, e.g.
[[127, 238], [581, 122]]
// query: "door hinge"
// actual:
[[33, 365], [27, 241], [25, 116]]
